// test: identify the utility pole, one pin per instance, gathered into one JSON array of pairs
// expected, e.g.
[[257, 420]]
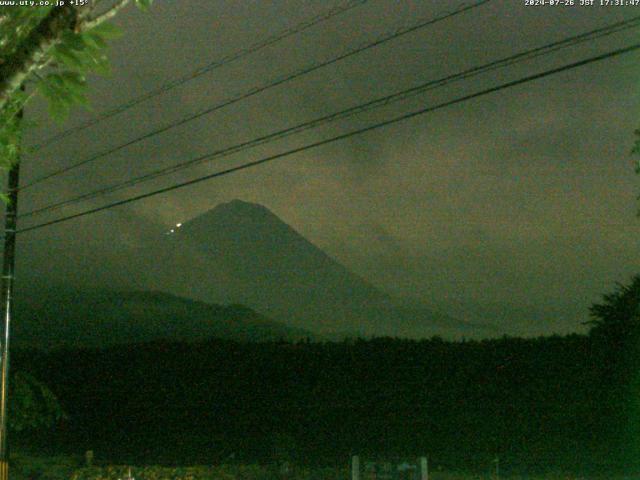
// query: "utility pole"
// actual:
[[6, 299]]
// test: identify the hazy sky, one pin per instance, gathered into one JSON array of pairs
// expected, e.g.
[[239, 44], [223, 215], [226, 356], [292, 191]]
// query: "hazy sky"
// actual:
[[526, 196]]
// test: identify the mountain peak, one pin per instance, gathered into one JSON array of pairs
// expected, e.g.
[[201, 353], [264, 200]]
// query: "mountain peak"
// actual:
[[237, 212], [240, 206], [239, 225]]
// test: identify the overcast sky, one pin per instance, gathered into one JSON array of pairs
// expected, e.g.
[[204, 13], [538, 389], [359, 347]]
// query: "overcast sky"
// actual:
[[526, 196]]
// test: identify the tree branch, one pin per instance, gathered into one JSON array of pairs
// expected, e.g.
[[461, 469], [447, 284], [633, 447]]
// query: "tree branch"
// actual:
[[103, 17], [32, 50]]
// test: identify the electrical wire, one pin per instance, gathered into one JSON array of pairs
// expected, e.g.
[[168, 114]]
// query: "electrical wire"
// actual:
[[343, 136], [256, 90], [304, 25], [377, 103]]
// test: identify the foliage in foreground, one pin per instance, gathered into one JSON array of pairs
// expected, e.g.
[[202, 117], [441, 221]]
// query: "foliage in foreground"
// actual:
[[27, 467], [33, 405], [50, 51]]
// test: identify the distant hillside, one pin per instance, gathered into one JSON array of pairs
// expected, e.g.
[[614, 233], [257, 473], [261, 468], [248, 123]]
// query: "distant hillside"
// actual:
[[95, 318], [240, 252], [516, 320]]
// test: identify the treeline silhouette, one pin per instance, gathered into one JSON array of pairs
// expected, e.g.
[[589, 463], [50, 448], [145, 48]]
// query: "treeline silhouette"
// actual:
[[558, 403]]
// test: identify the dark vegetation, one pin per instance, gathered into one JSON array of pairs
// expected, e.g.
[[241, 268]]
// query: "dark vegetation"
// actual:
[[547, 404], [63, 317]]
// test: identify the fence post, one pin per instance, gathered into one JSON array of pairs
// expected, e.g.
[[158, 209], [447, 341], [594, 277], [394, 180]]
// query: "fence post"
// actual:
[[355, 467], [424, 468]]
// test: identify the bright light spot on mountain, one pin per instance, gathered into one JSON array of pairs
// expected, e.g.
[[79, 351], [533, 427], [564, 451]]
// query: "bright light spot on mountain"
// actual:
[[178, 225]]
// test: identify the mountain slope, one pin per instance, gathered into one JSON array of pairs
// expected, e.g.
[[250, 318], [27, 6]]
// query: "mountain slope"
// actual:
[[96, 318], [242, 252]]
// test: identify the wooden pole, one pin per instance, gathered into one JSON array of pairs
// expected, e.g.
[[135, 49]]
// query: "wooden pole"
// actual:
[[6, 300]]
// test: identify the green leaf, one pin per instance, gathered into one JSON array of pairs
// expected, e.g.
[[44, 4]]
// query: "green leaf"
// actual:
[[143, 5], [67, 57], [95, 40], [46, 90], [105, 31], [57, 103], [636, 147], [74, 41], [74, 78], [78, 97], [100, 64], [63, 90]]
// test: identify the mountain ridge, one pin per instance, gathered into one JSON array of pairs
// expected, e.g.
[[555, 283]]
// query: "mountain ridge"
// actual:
[[95, 318]]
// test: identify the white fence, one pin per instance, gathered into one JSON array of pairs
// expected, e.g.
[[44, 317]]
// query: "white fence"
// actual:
[[415, 469]]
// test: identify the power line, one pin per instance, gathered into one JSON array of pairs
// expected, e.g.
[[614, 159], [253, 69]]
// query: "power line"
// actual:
[[256, 90], [238, 54], [343, 136], [376, 103]]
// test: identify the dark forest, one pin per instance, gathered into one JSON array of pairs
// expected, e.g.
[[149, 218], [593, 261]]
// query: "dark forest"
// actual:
[[546, 404]]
